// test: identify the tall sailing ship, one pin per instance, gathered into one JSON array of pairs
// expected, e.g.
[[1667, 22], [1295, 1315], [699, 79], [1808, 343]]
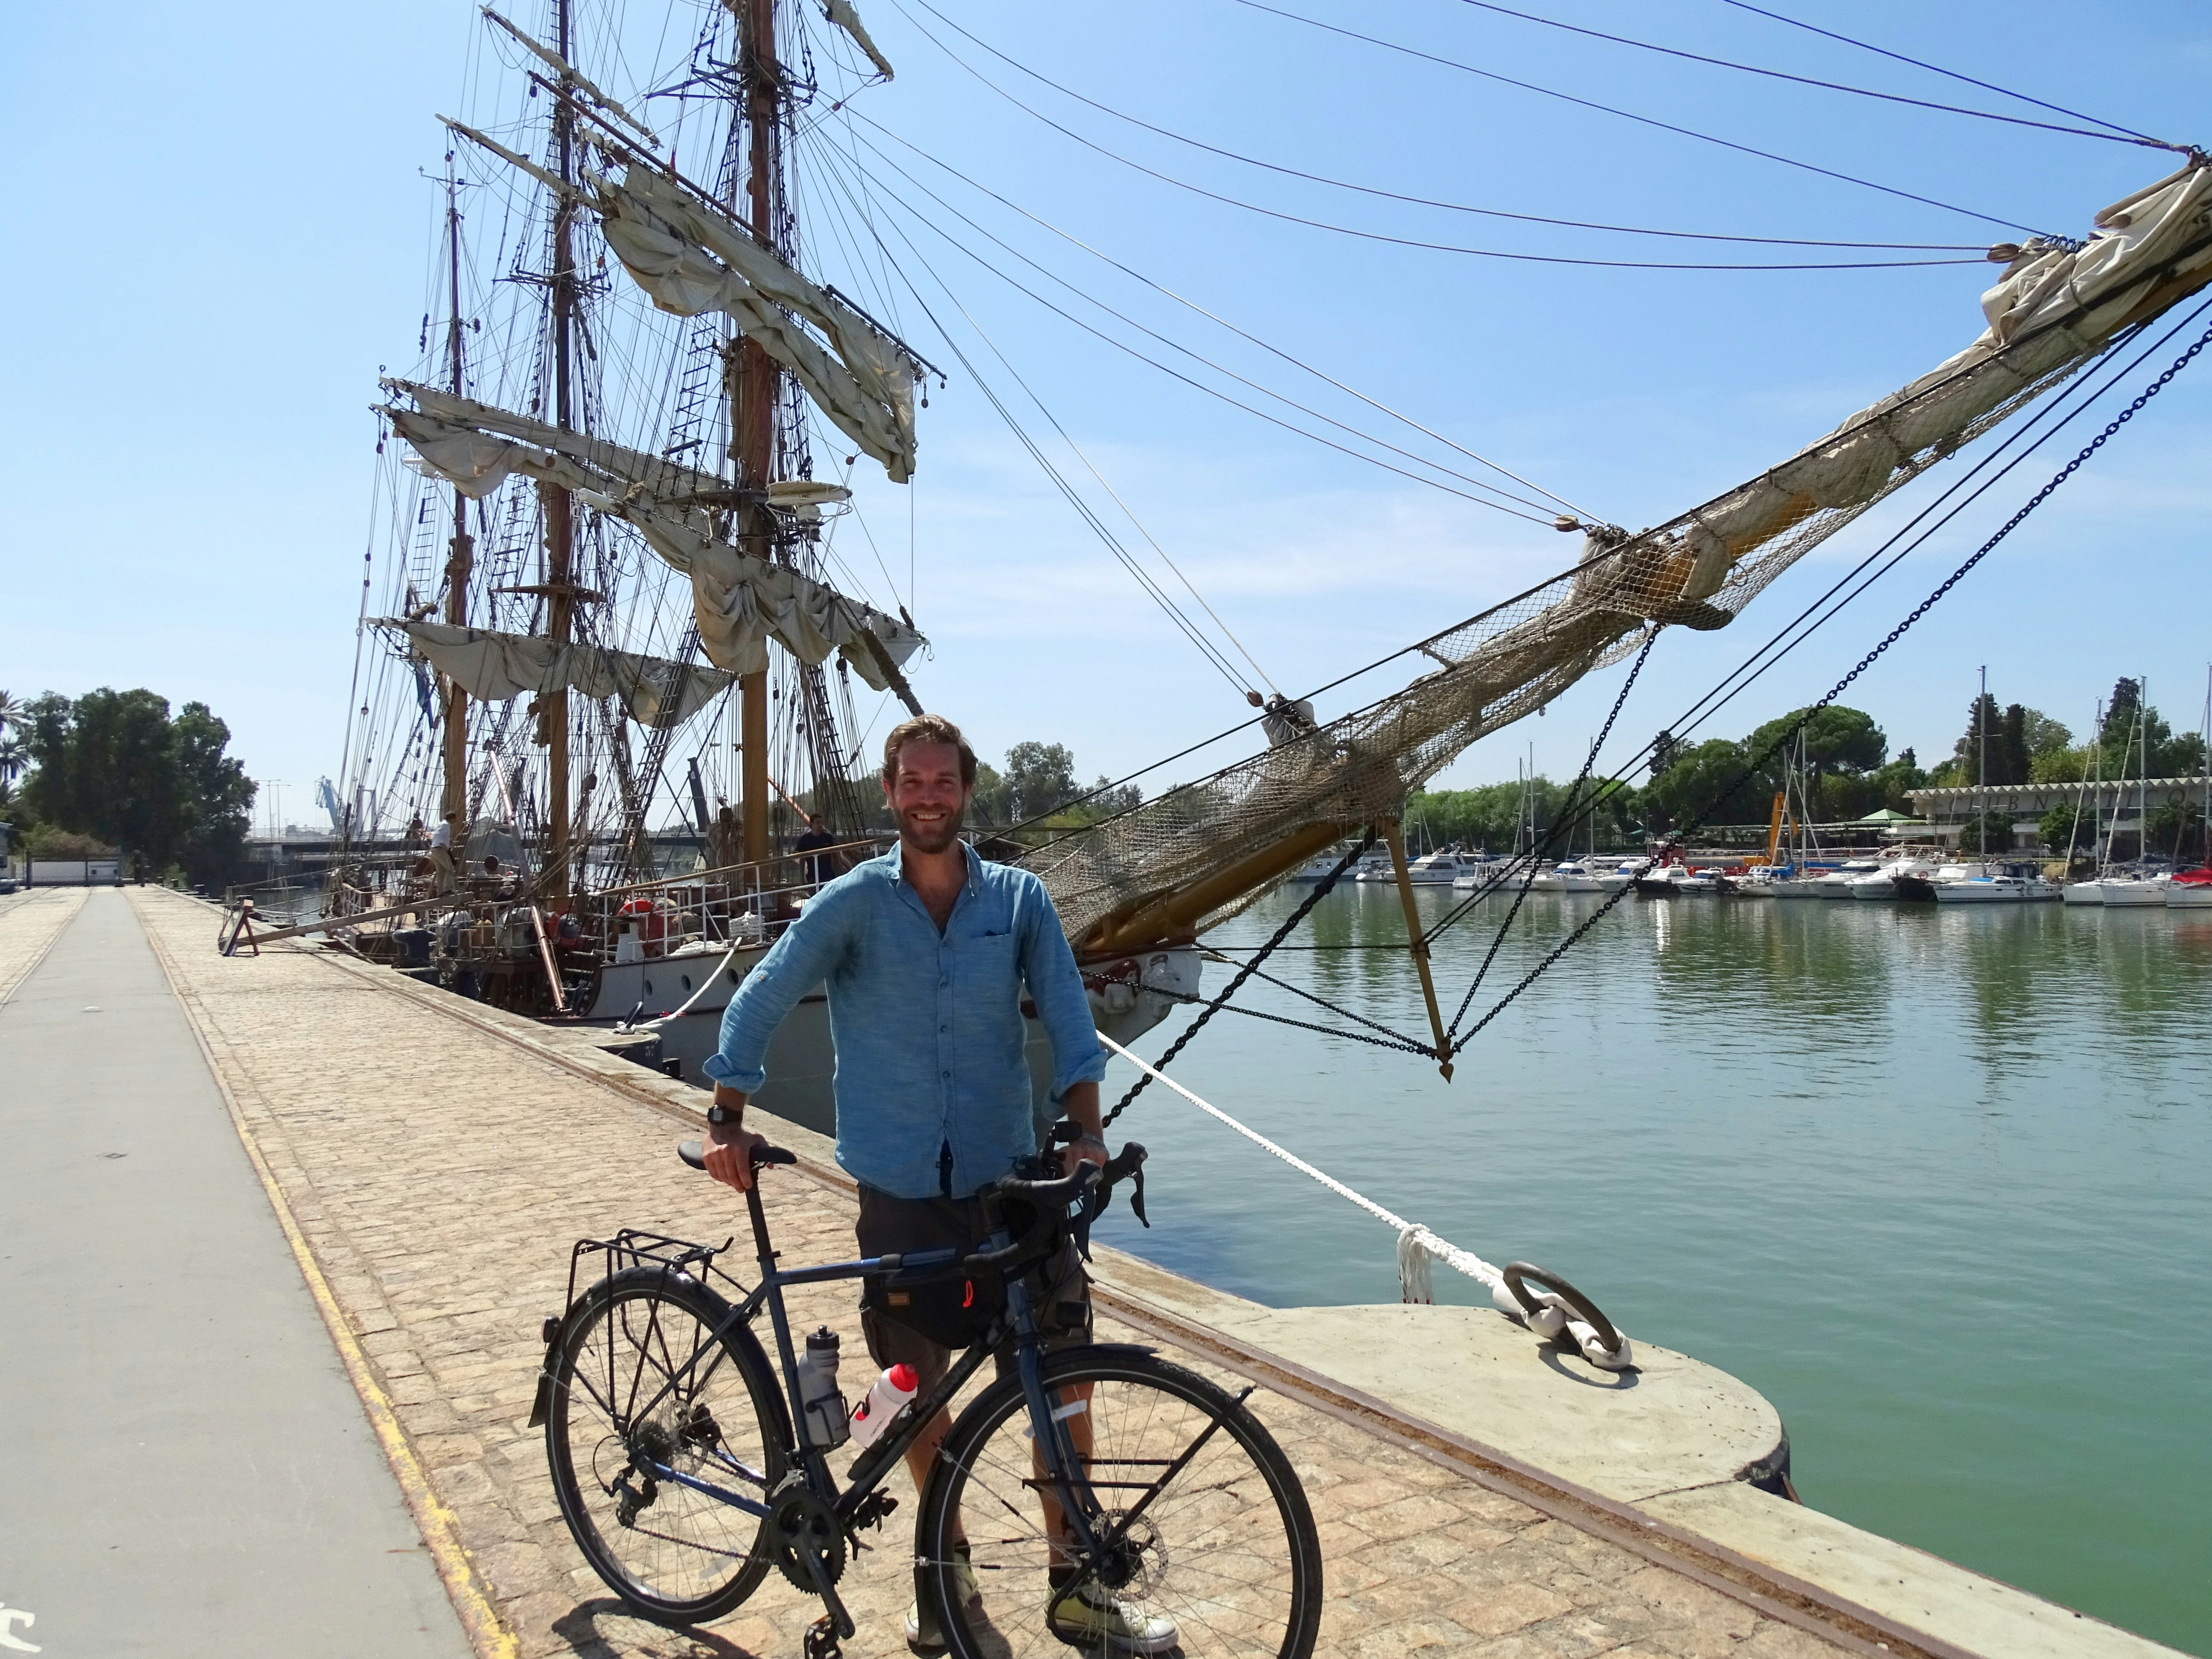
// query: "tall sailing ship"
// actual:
[[613, 483]]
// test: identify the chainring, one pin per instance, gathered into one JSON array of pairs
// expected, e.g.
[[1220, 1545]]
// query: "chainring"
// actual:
[[802, 1527]]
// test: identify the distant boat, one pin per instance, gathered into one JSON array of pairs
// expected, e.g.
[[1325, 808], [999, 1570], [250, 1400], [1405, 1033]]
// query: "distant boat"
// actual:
[[2190, 889], [1318, 870], [2005, 889], [1572, 876], [1679, 881], [1837, 883], [1882, 883], [1437, 869]]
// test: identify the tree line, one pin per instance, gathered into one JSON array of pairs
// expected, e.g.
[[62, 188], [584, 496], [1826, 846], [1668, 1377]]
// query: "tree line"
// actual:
[[115, 772], [1841, 770]]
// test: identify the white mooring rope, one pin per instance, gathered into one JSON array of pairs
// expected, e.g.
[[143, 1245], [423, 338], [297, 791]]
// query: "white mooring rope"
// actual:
[[1416, 1246]]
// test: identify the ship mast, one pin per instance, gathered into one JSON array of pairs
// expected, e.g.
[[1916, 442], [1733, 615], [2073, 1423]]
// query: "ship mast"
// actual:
[[560, 514], [460, 558], [757, 384]]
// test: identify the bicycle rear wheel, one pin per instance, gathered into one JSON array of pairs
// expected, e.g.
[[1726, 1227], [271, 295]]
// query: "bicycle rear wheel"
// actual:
[[615, 1428], [1210, 1546]]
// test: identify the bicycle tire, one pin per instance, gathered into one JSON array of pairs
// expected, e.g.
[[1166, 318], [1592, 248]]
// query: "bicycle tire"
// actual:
[[1225, 1551], [676, 1556]]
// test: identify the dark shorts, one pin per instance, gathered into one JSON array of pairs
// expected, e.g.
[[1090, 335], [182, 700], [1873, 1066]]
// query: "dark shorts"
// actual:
[[889, 1224]]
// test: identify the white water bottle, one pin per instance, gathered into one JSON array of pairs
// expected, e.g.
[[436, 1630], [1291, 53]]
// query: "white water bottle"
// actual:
[[890, 1394]]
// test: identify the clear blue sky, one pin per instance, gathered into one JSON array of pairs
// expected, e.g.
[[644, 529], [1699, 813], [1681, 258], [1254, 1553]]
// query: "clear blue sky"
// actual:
[[222, 234]]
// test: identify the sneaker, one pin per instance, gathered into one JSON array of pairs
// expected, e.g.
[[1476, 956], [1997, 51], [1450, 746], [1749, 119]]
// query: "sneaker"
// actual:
[[923, 1634], [1089, 1617]]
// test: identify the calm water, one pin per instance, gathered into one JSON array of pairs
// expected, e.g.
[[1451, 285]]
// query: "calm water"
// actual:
[[1938, 1182]]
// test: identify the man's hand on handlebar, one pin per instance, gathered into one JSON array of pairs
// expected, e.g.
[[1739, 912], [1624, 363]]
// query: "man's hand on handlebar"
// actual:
[[1080, 1103]]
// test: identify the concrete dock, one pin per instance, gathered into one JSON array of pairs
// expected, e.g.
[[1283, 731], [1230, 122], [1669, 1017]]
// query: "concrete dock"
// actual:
[[430, 1162]]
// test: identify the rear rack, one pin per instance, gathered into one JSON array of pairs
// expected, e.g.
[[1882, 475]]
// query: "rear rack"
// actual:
[[633, 1247]]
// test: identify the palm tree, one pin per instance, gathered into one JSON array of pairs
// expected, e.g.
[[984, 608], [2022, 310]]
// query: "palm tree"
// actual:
[[11, 711], [12, 759]]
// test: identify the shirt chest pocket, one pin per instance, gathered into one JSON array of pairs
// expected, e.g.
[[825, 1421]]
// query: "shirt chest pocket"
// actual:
[[989, 960]]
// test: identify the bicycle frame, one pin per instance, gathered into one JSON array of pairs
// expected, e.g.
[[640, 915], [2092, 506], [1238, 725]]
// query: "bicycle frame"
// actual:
[[1047, 1420]]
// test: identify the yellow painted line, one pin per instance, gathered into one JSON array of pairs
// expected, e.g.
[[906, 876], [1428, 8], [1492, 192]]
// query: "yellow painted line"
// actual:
[[440, 1528]]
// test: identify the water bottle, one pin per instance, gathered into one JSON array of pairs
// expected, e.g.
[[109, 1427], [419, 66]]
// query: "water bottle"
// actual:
[[821, 1407], [893, 1392]]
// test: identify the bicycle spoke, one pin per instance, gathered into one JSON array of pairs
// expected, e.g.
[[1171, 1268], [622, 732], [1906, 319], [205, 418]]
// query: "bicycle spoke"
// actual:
[[646, 1386], [1197, 1544]]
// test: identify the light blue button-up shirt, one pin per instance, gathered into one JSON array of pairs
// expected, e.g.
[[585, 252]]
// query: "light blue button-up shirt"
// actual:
[[928, 1026]]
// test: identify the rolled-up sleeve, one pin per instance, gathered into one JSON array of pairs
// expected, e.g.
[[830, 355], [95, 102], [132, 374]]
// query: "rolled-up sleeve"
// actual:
[[810, 947], [1056, 986]]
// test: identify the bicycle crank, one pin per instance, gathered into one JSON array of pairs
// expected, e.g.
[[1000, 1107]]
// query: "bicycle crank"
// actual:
[[810, 1546]]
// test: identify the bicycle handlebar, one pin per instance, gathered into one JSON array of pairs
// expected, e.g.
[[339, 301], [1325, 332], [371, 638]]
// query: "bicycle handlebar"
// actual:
[[1090, 1182]]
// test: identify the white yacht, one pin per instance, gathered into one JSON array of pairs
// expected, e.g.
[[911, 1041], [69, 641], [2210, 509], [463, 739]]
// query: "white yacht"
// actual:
[[1309, 874], [2118, 890], [1882, 883], [1437, 869], [1622, 874], [2190, 890], [1570, 876], [1837, 883], [2135, 889], [2018, 885]]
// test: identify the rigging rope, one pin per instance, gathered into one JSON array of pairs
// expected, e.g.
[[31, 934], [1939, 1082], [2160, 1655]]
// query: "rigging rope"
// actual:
[[1542, 515], [1212, 316], [1629, 115], [1175, 613], [1455, 1043], [1745, 673], [1321, 890], [1430, 201], [1567, 815], [1417, 1245], [1986, 86], [1378, 236], [1894, 635], [1827, 86]]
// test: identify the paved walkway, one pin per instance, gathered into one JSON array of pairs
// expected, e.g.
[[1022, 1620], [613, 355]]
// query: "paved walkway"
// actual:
[[187, 1466], [441, 1174], [30, 922]]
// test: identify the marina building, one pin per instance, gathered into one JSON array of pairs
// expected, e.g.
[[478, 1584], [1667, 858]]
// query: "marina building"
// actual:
[[2114, 806]]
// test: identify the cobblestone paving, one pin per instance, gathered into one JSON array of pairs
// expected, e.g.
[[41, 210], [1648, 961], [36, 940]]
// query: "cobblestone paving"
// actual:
[[29, 922], [441, 1175]]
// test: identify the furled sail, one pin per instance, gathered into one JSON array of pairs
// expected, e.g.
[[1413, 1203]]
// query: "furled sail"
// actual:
[[842, 14], [492, 667], [572, 78], [1197, 853], [741, 602], [691, 258], [450, 433]]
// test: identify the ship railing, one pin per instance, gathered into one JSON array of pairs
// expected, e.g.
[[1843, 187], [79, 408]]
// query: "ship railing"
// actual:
[[749, 903]]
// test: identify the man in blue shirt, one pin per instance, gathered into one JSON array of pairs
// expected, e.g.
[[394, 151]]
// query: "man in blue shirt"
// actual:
[[925, 953]]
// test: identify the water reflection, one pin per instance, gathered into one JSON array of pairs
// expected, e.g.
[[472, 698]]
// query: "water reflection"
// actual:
[[1878, 1159]]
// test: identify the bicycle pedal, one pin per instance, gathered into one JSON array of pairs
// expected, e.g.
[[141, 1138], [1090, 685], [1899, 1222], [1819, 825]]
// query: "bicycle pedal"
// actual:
[[822, 1639]]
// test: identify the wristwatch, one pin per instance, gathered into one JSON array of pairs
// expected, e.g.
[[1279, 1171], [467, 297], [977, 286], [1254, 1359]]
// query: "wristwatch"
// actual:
[[718, 1115]]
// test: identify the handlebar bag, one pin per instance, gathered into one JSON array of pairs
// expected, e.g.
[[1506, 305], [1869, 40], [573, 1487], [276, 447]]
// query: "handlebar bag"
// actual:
[[958, 1310]]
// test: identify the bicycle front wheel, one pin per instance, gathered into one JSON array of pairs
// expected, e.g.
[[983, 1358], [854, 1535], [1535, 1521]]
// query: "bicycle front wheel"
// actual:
[[644, 1392], [1207, 1544]]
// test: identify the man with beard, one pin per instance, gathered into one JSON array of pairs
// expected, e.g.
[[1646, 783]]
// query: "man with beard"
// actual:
[[925, 953]]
